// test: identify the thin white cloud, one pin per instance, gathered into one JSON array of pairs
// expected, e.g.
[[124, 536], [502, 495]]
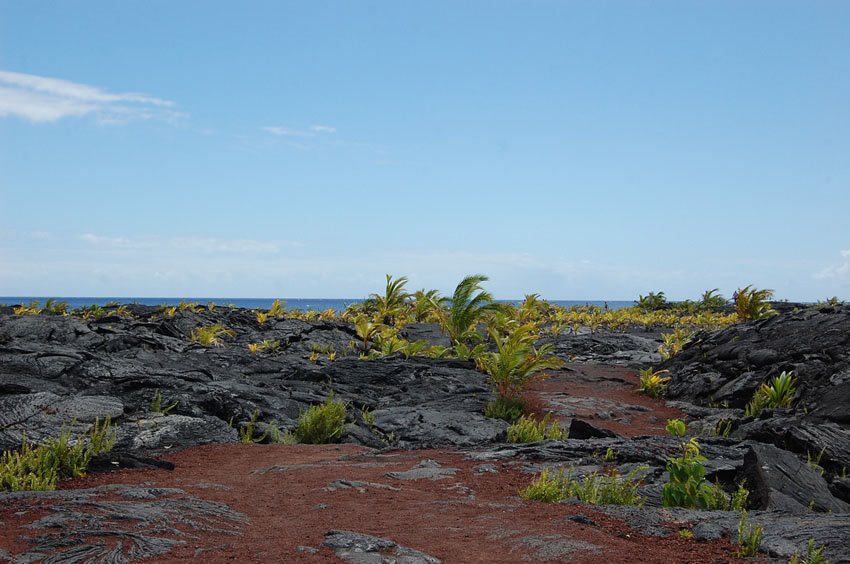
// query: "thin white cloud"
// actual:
[[113, 242], [190, 244], [281, 130], [285, 131], [43, 99], [839, 271]]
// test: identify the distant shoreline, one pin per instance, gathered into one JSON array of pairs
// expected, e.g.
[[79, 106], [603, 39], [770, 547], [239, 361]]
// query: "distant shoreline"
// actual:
[[317, 304]]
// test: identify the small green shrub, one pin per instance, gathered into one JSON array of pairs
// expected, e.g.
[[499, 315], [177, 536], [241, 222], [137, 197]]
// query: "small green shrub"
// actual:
[[738, 501], [687, 486], [247, 432], [813, 555], [41, 467], [320, 424], [751, 303], [673, 343], [652, 383], [367, 416], [712, 299], [211, 335], [749, 537], [778, 393], [527, 430], [814, 461], [157, 403], [507, 409], [516, 362], [596, 489], [652, 302]]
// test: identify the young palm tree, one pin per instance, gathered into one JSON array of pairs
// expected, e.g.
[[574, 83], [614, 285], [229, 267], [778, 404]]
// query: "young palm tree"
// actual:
[[516, 363], [468, 306], [426, 304], [394, 301]]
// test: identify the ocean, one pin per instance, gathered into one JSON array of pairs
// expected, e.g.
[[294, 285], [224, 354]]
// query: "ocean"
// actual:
[[304, 304]]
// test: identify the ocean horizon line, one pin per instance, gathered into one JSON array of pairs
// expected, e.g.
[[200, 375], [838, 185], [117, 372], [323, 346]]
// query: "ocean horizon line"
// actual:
[[292, 303]]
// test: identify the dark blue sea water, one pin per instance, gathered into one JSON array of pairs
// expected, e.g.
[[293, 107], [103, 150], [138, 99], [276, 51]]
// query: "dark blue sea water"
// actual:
[[317, 304]]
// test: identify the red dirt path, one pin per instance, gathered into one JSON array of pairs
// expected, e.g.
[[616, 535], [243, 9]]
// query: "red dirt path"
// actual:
[[474, 515]]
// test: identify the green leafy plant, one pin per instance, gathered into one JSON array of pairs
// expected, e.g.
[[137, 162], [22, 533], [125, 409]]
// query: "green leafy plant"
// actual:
[[595, 488], [712, 299], [367, 416], [365, 330], [27, 309], [673, 343], [749, 537], [468, 306], [320, 424], [752, 303], [516, 363], [278, 309], [687, 485], [652, 383], [610, 455], [723, 429], [834, 301], [211, 335], [393, 304], [527, 430], [738, 501], [686, 534], [652, 302], [53, 306], [247, 433], [157, 403], [813, 555], [778, 393], [814, 461], [41, 467], [507, 409]]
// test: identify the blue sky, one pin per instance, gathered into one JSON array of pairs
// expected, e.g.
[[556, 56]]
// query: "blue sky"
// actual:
[[580, 150]]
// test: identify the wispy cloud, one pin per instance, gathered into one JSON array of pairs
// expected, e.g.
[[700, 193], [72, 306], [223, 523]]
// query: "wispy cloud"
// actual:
[[838, 271], [283, 131], [44, 99], [189, 244]]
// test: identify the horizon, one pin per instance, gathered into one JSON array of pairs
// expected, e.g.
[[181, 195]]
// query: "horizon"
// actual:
[[573, 148]]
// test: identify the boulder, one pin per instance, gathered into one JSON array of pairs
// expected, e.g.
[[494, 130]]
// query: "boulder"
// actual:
[[778, 480]]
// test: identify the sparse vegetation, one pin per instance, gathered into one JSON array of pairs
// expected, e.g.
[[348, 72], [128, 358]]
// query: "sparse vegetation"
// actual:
[[687, 485], [507, 409], [595, 488], [652, 302], [41, 467], [652, 383], [673, 343], [320, 424], [527, 430], [778, 393], [749, 537], [712, 299], [813, 555], [158, 403], [752, 303], [516, 362], [211, 335]]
